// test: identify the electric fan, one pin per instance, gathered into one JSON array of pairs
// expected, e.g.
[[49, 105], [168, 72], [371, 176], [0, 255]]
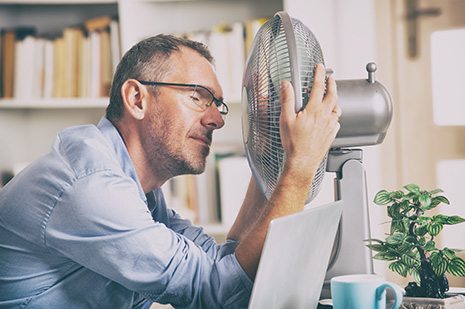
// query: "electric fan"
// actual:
[[285, 49]]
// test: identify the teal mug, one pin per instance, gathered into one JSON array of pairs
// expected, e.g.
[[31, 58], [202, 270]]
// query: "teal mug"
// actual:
[[363, 291]]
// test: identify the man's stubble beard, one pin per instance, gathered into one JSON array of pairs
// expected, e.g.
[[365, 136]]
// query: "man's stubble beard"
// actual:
[[160, 144]]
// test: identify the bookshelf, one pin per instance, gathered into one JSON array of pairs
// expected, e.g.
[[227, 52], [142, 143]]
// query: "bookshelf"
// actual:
[[29, 125]]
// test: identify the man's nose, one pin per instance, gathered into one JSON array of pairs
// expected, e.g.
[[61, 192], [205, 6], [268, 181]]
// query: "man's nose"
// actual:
[[212, 118]]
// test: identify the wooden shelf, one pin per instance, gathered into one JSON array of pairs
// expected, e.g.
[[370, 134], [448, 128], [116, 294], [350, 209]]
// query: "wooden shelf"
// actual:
[[64, 103]]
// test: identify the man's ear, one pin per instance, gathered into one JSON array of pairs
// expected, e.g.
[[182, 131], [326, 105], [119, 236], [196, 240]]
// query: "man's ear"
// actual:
[[135, 98]]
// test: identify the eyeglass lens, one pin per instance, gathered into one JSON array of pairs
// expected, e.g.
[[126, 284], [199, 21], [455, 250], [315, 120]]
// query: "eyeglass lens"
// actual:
[[203, 99]]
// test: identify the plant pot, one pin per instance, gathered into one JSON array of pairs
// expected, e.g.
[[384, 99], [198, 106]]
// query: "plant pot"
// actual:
[[451, 302]]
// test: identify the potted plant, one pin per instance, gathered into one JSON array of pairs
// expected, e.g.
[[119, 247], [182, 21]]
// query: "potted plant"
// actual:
[[410, 244]]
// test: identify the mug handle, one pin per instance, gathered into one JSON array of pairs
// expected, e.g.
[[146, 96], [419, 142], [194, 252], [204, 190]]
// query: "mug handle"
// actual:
[[397, 293]]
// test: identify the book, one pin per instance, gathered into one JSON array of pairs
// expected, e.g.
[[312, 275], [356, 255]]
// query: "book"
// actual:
[[102, 59], [94, 72], [84, 68], [38, 68], [8, 51], [9, 36], [58, 67], [23, 81], [73, 38], [115, 43], [105, 63], [47, 91], [18, 70], [97, 23]]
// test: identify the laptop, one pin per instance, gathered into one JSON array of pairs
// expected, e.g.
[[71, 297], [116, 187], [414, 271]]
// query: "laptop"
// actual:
[[295, 258]]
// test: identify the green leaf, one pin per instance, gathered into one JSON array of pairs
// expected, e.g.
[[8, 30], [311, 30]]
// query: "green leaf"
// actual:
[[408, 260], [435, 201], [404, 205], [382, 198], [449, 253], [454, 220], [377, 248], [399, 268], [393, 211], [447, 220], [434, 229], [425, 200], [412, 188], [397, 226], [433, 204], [421, 230], [410, 196], [374, 239], [395, 239], [411, 239], [424, 218], [385, 256], [442, 199], [456, 267], [422, 241], [439, 263], [435, 191], [396, 195], [406, 222], [405, 248], [442, 219], [430, 246]]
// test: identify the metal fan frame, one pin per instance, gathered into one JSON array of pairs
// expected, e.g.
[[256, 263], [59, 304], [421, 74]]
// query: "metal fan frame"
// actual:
[[293, 57]]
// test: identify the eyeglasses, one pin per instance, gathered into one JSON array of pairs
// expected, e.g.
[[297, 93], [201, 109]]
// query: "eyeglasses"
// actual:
[[200, 95]]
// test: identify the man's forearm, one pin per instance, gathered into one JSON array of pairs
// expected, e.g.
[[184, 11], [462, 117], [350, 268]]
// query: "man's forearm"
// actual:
[[287, 198]]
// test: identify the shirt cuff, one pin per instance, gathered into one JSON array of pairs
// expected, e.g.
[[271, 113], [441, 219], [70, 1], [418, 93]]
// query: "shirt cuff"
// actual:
[[237, 284]]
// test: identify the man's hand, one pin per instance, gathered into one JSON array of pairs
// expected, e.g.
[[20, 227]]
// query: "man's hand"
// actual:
[[308, 135]]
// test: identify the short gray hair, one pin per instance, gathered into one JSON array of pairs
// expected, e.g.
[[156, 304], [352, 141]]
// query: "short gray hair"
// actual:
[[147, 60]]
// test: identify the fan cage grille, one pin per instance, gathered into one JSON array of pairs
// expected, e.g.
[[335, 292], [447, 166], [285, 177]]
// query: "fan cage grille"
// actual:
[[268, 64]]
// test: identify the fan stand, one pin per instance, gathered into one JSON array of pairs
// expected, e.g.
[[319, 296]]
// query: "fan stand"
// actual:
[[350, 254]]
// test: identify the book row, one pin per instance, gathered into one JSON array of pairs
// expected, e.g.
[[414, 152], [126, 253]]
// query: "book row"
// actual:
[[80, 63]]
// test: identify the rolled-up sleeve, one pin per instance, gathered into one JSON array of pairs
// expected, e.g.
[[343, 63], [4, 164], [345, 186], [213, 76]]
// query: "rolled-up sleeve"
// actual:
[[110, 231]]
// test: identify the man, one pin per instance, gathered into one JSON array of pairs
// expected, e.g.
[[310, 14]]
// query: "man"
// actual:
[[86, 225]]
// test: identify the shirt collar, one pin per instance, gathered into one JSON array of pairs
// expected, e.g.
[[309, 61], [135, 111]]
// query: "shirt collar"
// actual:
[[121, 152]]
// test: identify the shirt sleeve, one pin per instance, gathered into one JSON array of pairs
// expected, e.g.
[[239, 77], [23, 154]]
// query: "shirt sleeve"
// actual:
[[101, 223], [161, 213]]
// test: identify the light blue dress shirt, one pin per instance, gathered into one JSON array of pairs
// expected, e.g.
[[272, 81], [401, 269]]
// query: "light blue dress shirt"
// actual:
[[77, 231]]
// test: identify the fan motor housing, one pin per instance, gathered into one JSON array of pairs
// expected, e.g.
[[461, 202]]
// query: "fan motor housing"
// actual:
[[366, 113]]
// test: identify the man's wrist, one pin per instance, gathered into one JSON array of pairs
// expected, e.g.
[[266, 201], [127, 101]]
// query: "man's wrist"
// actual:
[[300, 170]]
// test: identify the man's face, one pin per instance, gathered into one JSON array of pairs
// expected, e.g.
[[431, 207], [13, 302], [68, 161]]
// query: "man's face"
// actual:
[[178, 133]]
